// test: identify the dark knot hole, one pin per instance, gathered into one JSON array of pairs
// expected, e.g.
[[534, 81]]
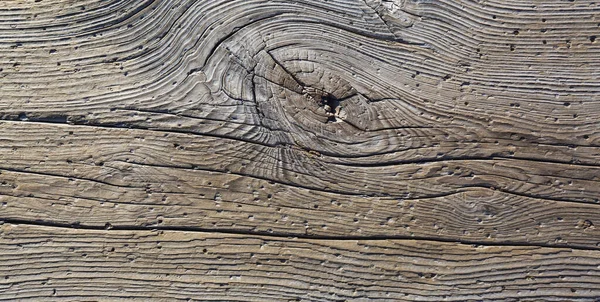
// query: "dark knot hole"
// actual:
[[332, 107]]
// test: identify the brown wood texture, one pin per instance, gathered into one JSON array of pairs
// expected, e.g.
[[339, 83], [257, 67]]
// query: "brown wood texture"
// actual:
[[64, 264], [309, 150]]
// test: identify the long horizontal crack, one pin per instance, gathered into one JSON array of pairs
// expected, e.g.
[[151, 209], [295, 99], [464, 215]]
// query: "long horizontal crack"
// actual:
[[65, 176], [427, 160], [191, 229], [297, 185], [134, 126]]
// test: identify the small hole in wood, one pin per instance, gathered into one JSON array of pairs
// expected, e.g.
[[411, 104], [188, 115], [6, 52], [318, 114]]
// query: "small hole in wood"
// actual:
[[332, 107]]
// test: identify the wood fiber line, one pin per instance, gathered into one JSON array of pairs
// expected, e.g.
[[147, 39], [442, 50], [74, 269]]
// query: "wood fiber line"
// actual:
[[68, 264], [470, 127]]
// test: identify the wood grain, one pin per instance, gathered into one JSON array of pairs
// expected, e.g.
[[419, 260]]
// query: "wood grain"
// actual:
[[83, 179], [418, 127], [68, 264]]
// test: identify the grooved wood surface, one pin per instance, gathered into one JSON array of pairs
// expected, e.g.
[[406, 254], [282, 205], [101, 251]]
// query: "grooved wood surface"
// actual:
[[66, 264], [307, 150]]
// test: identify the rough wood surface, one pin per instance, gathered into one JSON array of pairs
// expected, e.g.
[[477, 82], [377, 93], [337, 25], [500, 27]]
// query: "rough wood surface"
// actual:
[[421, 128], [66, 264]]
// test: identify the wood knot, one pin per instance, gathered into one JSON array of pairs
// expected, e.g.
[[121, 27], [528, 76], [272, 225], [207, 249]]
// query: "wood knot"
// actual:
[[329, 103]]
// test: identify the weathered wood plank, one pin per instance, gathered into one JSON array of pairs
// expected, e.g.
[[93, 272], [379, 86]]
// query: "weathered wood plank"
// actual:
[[69, 264], [127, 177], [259, 87], [254, 55], [450, 122]]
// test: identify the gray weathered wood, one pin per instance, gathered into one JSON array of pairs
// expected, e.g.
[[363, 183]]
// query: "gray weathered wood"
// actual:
[[424, 127], [62, 264]]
